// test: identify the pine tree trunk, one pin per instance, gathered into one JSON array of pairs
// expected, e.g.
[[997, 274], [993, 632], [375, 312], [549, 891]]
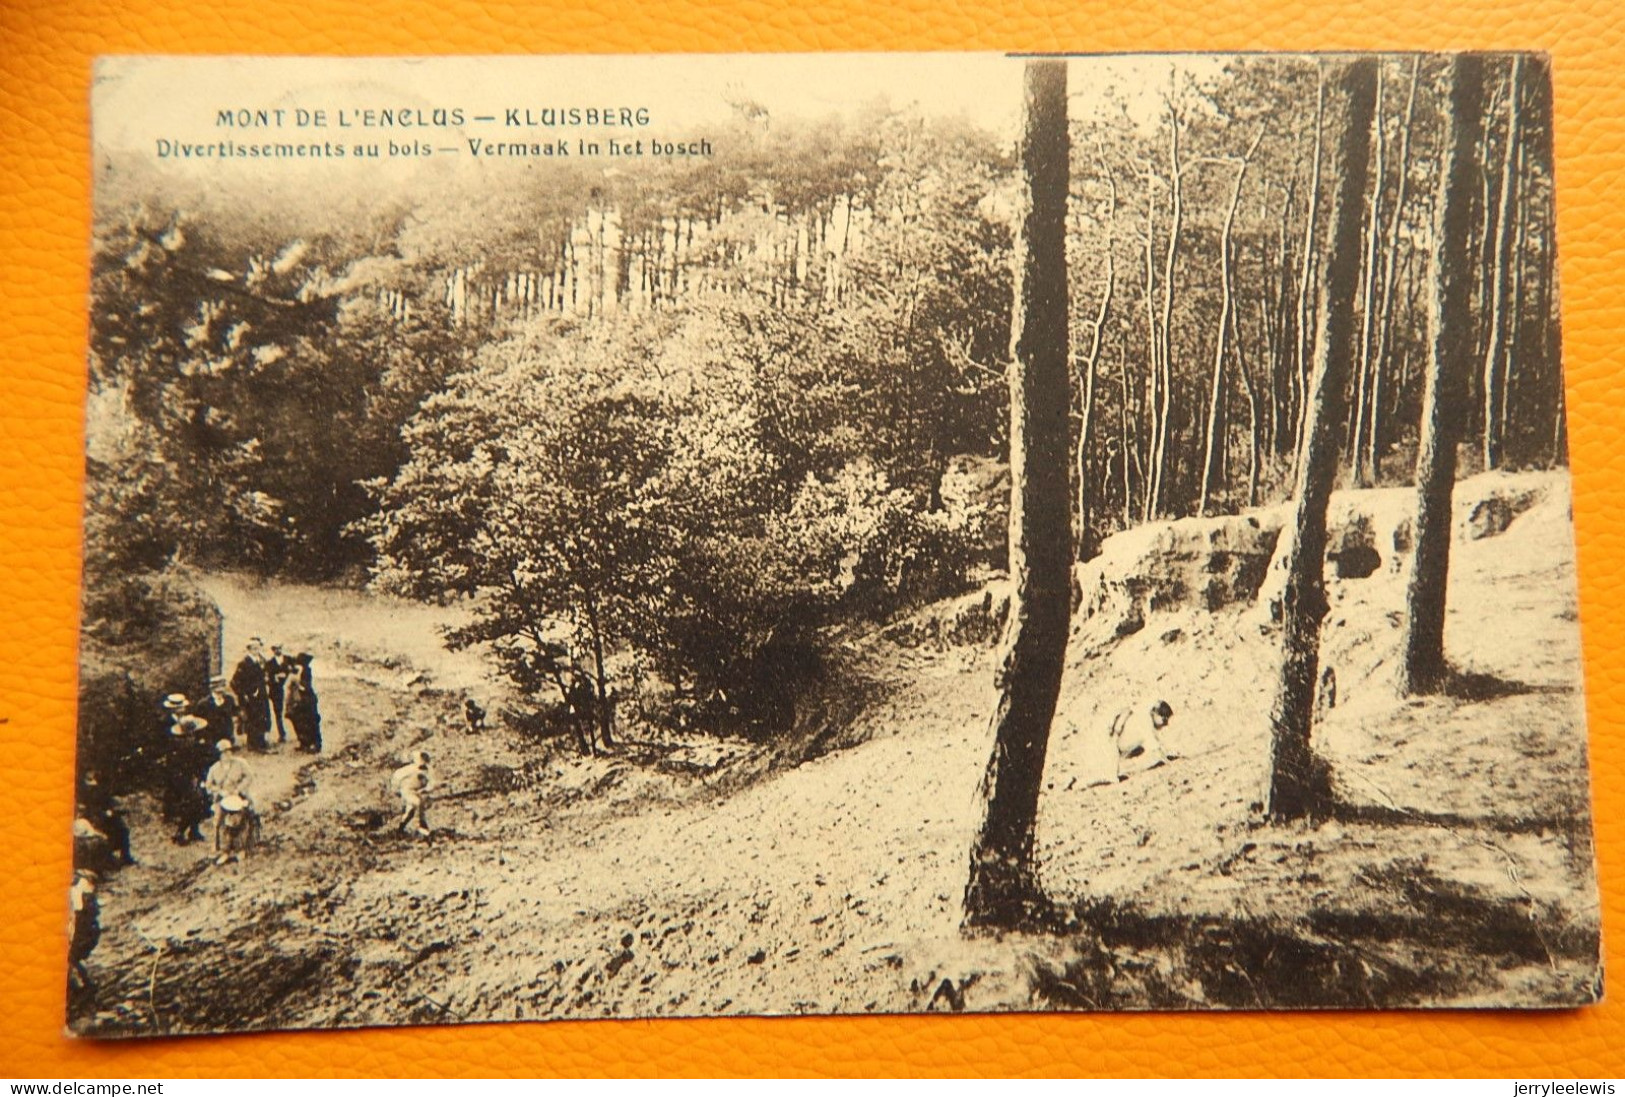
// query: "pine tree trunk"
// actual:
[[1385, 331], [1154, 367], [1451, 344], [1250, 391], [1546, 319], [1302, 327], [1282, 389], [1165, 383], [1085, 533], [1364, 402], [1515, 312], [1220, 342], [1003, 888], [1494, 367], [1128, 453], [1086, 541], [1298, 783]]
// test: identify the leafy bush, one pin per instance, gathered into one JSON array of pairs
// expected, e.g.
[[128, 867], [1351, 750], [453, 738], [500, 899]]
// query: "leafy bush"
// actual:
[[142, 637], [656, 489]]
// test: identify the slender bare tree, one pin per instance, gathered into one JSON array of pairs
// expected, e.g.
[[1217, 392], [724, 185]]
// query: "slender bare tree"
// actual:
[[1213, 444], [1306, 259], [1495, 368], [1391, 279], [1365, 382], [1085, 539]]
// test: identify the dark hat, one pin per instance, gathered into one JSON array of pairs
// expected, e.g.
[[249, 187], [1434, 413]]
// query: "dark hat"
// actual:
[[1163, 709]]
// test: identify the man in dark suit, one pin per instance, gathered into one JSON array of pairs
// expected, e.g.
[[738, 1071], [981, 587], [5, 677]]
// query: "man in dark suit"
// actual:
[[219, 711], [277, 672], [250, 682]]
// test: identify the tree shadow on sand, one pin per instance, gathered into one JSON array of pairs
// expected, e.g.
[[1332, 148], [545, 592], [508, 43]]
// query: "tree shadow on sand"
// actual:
[[1388, 815], [1127, 957], [1411, 938], [1473, 685]]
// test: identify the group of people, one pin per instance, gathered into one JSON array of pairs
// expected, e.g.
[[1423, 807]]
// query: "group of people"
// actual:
[[196, 767], [200, 778], [275, 693], [193, 762]]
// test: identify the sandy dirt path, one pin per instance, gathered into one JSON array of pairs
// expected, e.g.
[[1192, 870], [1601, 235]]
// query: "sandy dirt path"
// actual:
[[557, 886]]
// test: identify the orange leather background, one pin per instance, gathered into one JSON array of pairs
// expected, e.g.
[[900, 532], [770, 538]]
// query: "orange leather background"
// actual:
[[46, 48]]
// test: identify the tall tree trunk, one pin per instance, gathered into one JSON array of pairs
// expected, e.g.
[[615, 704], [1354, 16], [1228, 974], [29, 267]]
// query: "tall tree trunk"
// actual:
[[1154, 367], [1283, 386], [1086, 540], [600, 678], [1220, 341], [1494, 367], [1560, 428], [1165, 383], [1305, 273], [1299, 784], [1385, 330], [1003, 888], [1451, 343], [1250, 390], [1364, 405], [1515, 311], [1542, 381], [1546, 319], [1085, 533], [1128, 452]]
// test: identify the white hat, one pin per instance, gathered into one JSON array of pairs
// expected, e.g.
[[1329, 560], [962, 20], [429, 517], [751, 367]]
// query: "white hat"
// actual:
[[175, 702], [224, 745]]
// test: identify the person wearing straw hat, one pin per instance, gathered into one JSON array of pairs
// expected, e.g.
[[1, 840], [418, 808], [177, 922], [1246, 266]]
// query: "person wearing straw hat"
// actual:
[[184, 758], [235, 822]]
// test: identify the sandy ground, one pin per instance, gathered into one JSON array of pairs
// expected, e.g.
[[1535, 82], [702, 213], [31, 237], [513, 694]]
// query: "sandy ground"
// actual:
[[1459, 870]]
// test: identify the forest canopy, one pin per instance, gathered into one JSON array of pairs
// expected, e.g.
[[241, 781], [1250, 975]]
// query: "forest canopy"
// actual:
[[687, 416]]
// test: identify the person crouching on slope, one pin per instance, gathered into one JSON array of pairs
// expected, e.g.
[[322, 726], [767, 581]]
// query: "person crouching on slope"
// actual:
[[412, 783], [1134, 734]]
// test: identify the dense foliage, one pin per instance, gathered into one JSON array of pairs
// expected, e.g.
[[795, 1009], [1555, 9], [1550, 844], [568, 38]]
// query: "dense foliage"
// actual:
[[682, 419]]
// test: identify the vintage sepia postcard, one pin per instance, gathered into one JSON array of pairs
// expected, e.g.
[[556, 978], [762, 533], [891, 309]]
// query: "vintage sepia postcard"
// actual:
[[587, 537]]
